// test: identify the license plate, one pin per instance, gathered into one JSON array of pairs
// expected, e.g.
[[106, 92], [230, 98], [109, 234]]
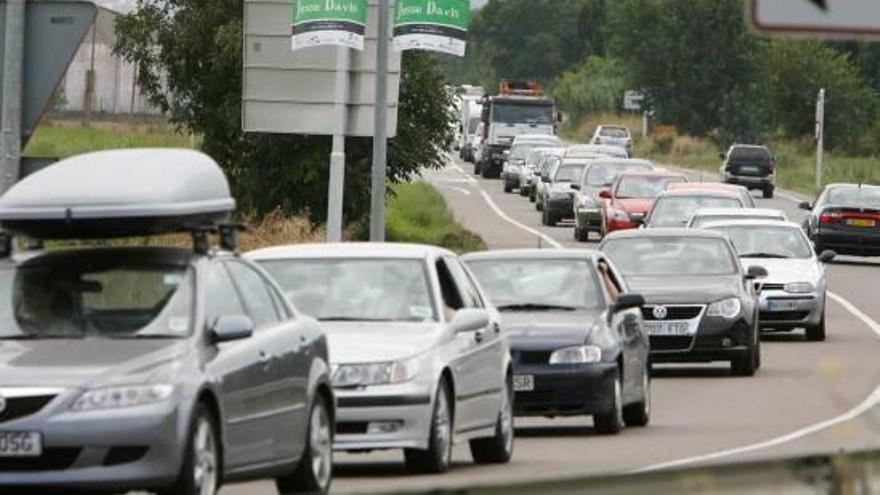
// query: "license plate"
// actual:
[[523, 383], [782, 305], [667, 328], [21, 444], [861, 222], [749, 170]]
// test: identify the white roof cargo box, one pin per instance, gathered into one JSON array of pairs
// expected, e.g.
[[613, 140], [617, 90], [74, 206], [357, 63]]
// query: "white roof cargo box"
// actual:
[[119, 193]]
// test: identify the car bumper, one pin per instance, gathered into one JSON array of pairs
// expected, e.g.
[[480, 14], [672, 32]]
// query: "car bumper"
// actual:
[[562, 207], [385, 417], [561, 390], [849, 243], [806, 311], [750, 182], [715, 340], [589, 219], [615, 225], [117, 449]]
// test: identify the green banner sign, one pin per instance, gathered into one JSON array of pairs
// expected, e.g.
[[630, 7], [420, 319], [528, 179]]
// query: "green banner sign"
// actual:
[[328, 22], [438, 25]]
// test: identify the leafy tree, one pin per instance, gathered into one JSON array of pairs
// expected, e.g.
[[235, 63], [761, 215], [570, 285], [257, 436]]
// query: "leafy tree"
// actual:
[[189, 59], [593, 87]]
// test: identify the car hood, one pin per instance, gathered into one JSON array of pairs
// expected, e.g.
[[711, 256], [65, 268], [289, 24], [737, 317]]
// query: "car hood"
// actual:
[[783, 271], [84, 362], [685, 290], [634, 205], [373, 342], [548, 329]]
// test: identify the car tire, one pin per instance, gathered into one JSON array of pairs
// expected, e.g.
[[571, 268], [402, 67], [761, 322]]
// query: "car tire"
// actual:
[[539, 205], [532, 197], [748, 364], [639, 413], [476, 168], [498, 449], [314, 473], [523, 192], [201, 461], [816, 333], [486, 171], [582, 235], [768, 193], [611, 422], [438, 456], [507, 187]]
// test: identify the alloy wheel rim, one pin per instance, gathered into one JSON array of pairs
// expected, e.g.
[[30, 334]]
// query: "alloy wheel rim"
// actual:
[[442, 427], [205, 465], [321, 445]]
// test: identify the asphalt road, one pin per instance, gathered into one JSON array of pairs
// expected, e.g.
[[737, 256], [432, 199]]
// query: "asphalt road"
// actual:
[[808, 397]]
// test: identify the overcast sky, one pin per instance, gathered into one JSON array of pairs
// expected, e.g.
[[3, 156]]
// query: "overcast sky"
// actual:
[[126, 5]]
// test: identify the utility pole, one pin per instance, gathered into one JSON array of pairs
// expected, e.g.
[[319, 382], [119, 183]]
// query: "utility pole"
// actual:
[[337, 154], [820, 137], [380, 139], [13, 75]]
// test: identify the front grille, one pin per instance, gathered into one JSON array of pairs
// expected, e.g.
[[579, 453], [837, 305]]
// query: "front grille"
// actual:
[[670, 343], [56, 459], [783, 315], [773, 287], [673, 312], [19, 407], [124, 455], [533, 357], [351, 428]]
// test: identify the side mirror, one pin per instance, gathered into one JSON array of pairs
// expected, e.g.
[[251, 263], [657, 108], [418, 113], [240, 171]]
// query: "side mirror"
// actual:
[[507, 154], [233, 327], [722, 155], [637, 219], [827, 255], [805, 205], [605, 194], [628, 301], [469, 320], [546, 179], [559, 117], [576, 187], [756, 272]]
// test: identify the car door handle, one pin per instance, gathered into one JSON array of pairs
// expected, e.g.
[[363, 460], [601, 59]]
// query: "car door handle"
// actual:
[[266, 359], [479, 335]]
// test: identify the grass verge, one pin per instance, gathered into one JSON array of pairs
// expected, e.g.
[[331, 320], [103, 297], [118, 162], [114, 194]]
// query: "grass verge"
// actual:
[[63, 139], [417, 213]]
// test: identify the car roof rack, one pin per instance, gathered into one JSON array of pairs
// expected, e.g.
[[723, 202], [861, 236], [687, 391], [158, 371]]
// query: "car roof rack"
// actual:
[[122, 193]]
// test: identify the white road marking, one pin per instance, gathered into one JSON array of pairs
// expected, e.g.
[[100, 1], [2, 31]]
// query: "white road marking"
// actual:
[[454, 188], [867, 405]]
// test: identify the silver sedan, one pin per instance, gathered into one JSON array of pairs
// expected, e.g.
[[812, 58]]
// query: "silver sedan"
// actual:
[[793, 294], [419, 361]]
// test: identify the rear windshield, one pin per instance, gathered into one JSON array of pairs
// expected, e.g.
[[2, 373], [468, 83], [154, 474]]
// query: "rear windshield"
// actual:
[[668, 256], [569, 173], [867, 197], [604, 174], [511, 113], [750, 154], [700, 220], [614, 132], [676, 211], [643, 187], [552, 284], [754, 241]]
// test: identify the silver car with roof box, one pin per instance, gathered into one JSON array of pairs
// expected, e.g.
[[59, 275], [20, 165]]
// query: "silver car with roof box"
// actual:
[[705, 216], [419, 359], [150, 368]]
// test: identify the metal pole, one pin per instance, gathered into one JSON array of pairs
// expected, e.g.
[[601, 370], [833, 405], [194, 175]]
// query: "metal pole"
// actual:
[[337, 154], [380, 140], [90, 75], [820, 137], [13, 76]]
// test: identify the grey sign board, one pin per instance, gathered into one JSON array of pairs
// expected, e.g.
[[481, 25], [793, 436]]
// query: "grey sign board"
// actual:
[[288, 91], [54, 30], [841, 19]]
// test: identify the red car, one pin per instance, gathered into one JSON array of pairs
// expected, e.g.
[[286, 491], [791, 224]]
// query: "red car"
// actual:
[[631, 197]]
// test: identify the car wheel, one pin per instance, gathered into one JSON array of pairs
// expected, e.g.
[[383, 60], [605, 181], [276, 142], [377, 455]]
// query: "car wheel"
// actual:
[[476, 168], [507, 187], [315, 470], [523, 192], [611, 423], [486, 171], [817, 333], [748, 364], [768, 193], [438, 457], [551, 218], [498, 449], [532, 196], [639, 413], [200, 473], [582, 235]]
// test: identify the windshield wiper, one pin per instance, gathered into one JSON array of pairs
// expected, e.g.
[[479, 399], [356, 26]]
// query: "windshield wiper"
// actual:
[[535, 307], [142, 336], [352, 318], [35, 336], [764, 255]]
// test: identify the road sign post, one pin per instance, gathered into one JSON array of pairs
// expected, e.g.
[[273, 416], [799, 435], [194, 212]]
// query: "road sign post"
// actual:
[[13, 69], [335, 188], [820, 137], [380, 139]]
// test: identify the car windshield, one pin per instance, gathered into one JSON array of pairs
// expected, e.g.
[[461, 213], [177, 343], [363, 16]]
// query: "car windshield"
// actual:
[[643, 187], [750, 154], [614, 132], [676, 211], [670, 256], [755, 241], [604, 174], [539, 284], [700, 220], [868, 197], [520, 151], [356, 289], [512, 113], [569, 172], [60, 297]]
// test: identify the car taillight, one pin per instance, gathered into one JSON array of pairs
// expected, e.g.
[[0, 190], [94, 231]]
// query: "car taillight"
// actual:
[[830, 217]]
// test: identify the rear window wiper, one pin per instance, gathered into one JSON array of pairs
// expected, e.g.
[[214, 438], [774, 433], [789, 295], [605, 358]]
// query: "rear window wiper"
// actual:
[[535, 307]]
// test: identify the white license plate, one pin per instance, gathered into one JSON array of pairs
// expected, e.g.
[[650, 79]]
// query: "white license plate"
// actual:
[[749, 170], [523, 383], [667, 328], [782, 305], [21, 444]]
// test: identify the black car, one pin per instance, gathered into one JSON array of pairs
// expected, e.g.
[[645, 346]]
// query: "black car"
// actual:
[[700, 305], [846, 219], [576, 335], [751, 166]]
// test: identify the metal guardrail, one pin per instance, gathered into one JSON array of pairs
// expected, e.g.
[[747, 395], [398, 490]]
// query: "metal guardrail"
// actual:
[[838, 474]]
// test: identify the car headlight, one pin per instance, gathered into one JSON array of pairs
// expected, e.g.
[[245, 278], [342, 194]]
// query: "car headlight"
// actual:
[[119, 397], [587, 202], [583, 354], [727, 308], [799, 288], [361, 375], [618, 215]]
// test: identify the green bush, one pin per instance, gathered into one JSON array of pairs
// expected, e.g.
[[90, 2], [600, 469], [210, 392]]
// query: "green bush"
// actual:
[[417, 213], [594, 87]]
